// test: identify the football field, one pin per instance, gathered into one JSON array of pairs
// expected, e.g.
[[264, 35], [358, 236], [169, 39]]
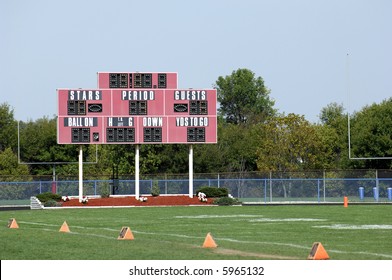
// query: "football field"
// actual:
[[358, 232]]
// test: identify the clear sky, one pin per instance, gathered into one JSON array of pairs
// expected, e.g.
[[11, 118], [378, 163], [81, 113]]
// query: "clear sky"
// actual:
[[299, 48]]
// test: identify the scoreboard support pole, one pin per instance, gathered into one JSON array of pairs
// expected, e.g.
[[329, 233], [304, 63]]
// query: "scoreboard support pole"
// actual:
[[137, 186], [190, 171], [80, 173]]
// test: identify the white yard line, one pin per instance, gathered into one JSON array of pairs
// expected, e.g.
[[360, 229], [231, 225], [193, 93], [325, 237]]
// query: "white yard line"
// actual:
[[217, 216], [355, 227], [288, 220]]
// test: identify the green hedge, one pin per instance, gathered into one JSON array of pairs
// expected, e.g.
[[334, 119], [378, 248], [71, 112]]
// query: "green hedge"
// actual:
[[226, 201], [213, 191], [52, 203], [46, 196]]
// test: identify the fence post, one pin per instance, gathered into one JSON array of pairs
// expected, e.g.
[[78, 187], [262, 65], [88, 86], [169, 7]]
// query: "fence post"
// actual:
[[265, 190], [377, 186], [318, 190], [238, 187], [324, 184], [270, 186]]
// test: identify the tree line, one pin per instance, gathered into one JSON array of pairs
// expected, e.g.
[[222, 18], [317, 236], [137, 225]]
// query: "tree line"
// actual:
[[252, 136]]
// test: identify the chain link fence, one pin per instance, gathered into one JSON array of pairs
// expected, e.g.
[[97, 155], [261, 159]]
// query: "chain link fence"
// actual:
[[323, 186]]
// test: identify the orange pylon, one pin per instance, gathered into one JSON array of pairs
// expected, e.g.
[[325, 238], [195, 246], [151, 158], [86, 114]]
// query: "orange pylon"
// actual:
[[64, 227], [318, 252], [126, 234], [209, 242], [12, 223]]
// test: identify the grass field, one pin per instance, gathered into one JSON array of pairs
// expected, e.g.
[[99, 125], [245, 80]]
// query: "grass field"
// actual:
[[359, 232]]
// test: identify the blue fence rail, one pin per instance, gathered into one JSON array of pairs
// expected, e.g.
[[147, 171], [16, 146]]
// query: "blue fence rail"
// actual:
[[247, 190]]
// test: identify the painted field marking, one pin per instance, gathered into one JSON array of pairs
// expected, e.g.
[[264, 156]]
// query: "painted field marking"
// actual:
[[217, 216], [355, 227], [288, 220]]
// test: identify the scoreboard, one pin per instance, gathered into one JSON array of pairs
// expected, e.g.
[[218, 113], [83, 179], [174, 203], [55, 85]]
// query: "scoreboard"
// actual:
[[137, 108]]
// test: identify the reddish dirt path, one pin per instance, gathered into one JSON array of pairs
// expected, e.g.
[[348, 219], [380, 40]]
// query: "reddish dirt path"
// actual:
[[131, 201]]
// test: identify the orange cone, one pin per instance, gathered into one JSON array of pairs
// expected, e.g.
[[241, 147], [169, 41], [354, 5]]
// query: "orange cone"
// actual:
[[345, 201], [64, 227], [12, 223], [209, 242], [126, 234], [318, 252]]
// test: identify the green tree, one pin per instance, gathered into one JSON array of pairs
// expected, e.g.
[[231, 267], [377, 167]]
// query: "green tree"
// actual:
[[10, 167], [333, 129], [8, 128], [332, 114], [153, 159], [243, 98], [234, 152], [238, 148], [289, 143], [371, 130], [118, 157], [38, 143], [11, 170], [166, 158]]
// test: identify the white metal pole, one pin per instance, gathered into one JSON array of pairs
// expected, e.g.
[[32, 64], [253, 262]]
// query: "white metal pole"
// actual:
[[137, 187], [54, 185], [348, 106], [190, 171], [18, 143], [80, 173]]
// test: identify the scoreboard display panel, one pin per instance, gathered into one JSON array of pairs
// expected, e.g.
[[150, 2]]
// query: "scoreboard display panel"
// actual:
[[136, 80], [83, 130], [190, 102], [138, 102], [83, 102], [120, 113]]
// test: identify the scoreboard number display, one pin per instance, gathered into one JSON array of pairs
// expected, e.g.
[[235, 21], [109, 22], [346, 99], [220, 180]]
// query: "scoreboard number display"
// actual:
[[137, 80], [136, 108]]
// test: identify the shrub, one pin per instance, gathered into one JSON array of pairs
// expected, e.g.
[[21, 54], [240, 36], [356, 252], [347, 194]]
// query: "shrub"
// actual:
[[226, 201], [105, 191], [155, 189], [213, 191], [46, 196], [52, 203]]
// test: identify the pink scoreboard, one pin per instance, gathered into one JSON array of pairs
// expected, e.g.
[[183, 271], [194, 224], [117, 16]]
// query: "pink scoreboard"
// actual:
[[121, 111]]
